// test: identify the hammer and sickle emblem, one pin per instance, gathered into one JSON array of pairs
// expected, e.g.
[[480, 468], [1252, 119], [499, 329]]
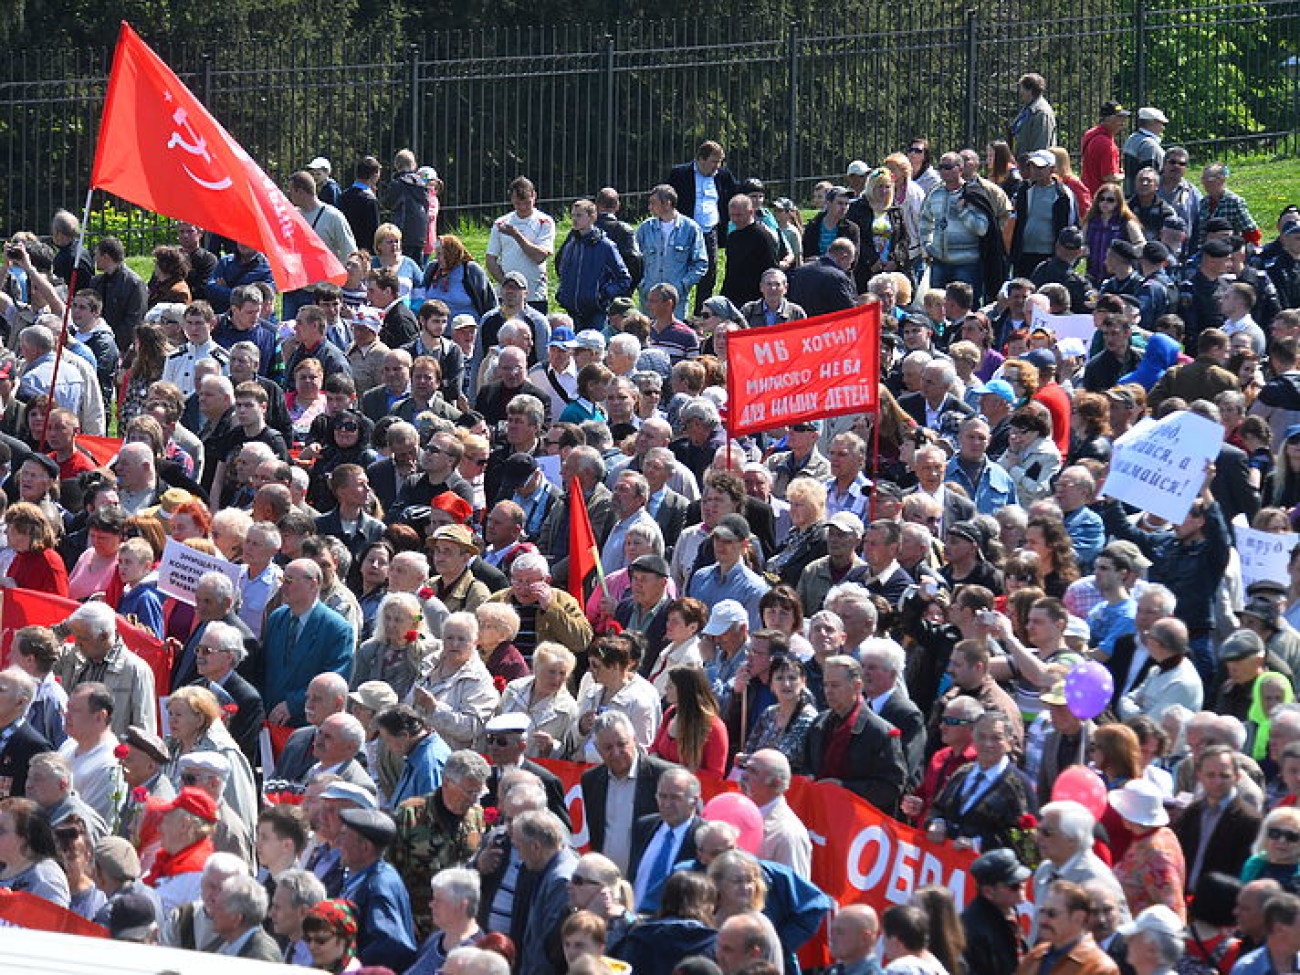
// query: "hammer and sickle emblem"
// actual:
[[195, 145]]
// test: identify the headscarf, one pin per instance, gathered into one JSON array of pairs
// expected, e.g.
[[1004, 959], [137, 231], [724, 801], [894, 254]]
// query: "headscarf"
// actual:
[[1161, 353], [1259, 717], [340, 917]]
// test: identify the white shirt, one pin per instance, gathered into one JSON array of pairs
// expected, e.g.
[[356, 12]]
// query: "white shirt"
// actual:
[[620, 804], [539, 230], [97, 776]]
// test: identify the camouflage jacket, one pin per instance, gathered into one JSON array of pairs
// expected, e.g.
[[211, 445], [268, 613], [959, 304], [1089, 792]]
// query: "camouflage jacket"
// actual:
[[430, 838]]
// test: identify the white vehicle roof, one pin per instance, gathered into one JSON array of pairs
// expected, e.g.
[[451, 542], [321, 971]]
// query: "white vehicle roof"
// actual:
[[46, 953]]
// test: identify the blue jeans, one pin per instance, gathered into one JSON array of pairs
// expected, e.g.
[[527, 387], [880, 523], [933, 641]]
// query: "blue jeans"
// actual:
[[943, 274]]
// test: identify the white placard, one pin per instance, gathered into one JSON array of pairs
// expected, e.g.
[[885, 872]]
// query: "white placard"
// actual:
[[1264, 555], [182, 567], [1159, 465], [1067, 326], [549, 465]]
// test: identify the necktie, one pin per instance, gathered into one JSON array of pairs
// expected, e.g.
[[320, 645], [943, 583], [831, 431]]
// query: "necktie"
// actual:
[[973, 792], [291, 636], [663, 861]]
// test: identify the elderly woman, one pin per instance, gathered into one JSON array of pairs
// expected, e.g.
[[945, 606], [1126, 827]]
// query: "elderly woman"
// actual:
[[642, 538], [598, 886], [29, 853], [345, 440], [613, 684], [195, 723], [742, 888], [398, 650], [806, 540], [330, 932], [92, 573], [784, 725], [545, 698], [1032, 458], [389, 256], [684, 619], [36, 564], [454, 689], [498, 625], [305, 401], [1155, 941], [454, 550], [1152, 869], [1277, 850], [453, 907]]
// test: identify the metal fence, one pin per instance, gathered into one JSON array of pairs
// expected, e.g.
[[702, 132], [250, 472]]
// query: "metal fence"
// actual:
[[577, 106]]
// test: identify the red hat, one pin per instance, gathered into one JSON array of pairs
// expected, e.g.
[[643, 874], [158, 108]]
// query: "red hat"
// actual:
[[194, 801], [454, 505]]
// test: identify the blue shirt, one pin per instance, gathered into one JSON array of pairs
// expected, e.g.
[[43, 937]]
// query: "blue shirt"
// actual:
[[422, 770], [1108, 623], [741, 583], [706, 201], [995, 489], [1088, 535]]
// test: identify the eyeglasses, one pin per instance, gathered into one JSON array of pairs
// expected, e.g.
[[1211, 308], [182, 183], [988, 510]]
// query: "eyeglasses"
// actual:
[[1285, 835], [947, 166], [209, 651], [915, 151], [431, 449], [501, 741]]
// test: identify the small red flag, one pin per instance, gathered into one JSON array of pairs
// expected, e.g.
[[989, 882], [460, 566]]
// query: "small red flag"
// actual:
[[161, 149], [584, 556]]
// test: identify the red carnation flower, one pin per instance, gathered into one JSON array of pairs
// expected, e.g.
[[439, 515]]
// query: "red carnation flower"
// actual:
[[491, 815], [499, 683], [425, 593], [1028, 821], [411, 636], [139, 794], [121, 751], [230, 709], [895, 733]]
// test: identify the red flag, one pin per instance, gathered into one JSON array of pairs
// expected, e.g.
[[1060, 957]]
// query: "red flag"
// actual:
[[19, 909], [160, 148], [102, 449], [26, 607], [583, 554]]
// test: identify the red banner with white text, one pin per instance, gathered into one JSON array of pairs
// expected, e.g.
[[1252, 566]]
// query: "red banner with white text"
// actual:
[[860, 855], [22, 910], [804, 370]]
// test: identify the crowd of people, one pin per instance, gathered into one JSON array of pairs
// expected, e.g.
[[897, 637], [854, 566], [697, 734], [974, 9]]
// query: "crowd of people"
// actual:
[[888, 602]]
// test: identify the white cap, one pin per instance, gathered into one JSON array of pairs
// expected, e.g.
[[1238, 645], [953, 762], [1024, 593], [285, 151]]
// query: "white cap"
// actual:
[[1150, 114], [725, 615], [515, 722], [858, 168], [590, 338], [320, 162], [1158, 918], [214, 763], [1042, 158]]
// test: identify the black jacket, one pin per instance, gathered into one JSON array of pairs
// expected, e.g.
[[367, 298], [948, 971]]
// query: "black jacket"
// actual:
[[551, 782], [820, 287], [874, 755], [993, 944], [682, 179], [595, 790], [246, 724], [24, 743], [400, 326], [656, 636], [624, 237]]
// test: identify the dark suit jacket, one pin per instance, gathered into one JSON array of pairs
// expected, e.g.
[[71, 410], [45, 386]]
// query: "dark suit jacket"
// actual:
[[373, 403], [1231, 484], [993, 944], [262, 947], [1230, 845], [656, 636], [682, 179], [955, 507], [820, 287], [17, 755], [995, 813], [555, 801], [874, 755], [369, 530], [297, 756], [246, 726], [384, 481], [913, 405], [643, 831], [1118, 663], [399, 326], [671, 518], [595, 789], [907, 718]]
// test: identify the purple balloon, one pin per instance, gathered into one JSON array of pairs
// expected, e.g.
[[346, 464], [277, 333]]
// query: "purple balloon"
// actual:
[[1088, 688]]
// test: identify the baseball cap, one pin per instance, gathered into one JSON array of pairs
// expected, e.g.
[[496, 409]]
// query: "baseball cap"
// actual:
[[858, 168], [1001, 388], [725, 615], [1042, 157], [516, 470], [320, 162], [464, 321], [131, 917], [1071, 238], [563, 337], [514, 279], [1042, 358], [732, 528], [1109, 109], [622, 305], [193, 801], [1158, 919], [591, 339], [848, 523]]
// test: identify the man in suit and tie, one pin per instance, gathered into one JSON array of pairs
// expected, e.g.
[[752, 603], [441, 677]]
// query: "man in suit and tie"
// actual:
[[214, 600], [303, 638], [934, 406], [662, 839], [621, 789], [645, 608], [1218, 829], [882, 684], [666, 506], [507, 740], [220, 650], [930, 465], [851, 937], [327, 694], [986, 799], [20, 740]]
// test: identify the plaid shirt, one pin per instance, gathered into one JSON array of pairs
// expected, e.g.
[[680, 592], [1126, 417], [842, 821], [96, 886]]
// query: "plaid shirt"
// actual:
[[1230, 207]]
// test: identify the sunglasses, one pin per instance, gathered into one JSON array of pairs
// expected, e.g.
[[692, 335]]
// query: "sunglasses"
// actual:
[[501, 741], [948, 166], [348, 426], [957, 722], [1287, 835], [914, 151]]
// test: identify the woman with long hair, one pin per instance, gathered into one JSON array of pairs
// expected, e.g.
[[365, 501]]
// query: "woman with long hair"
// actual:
[[692, 734], [1002, 169], [947, 937], [36, 563], [1065, 173], [1048, 539], [1286, 473], [148, 356], [1108, 219], [458, 281], [373, 568], [682, 927], [977, 328], [884, 238]]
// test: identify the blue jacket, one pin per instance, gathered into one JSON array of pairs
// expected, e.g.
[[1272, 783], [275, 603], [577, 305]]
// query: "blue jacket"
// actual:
[[1088, 535], [655, 947], [682, 261], [592, 273], [995, 489], [144, 603], [230, 273], [422, 770], [325, 642], [385, 928]]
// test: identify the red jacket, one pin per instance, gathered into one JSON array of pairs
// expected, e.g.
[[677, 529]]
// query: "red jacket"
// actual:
[[1100, 157], [1057, 403]]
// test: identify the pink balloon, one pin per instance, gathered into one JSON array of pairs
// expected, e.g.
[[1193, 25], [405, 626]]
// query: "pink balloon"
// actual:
[[1082, 785], [738, 810]]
